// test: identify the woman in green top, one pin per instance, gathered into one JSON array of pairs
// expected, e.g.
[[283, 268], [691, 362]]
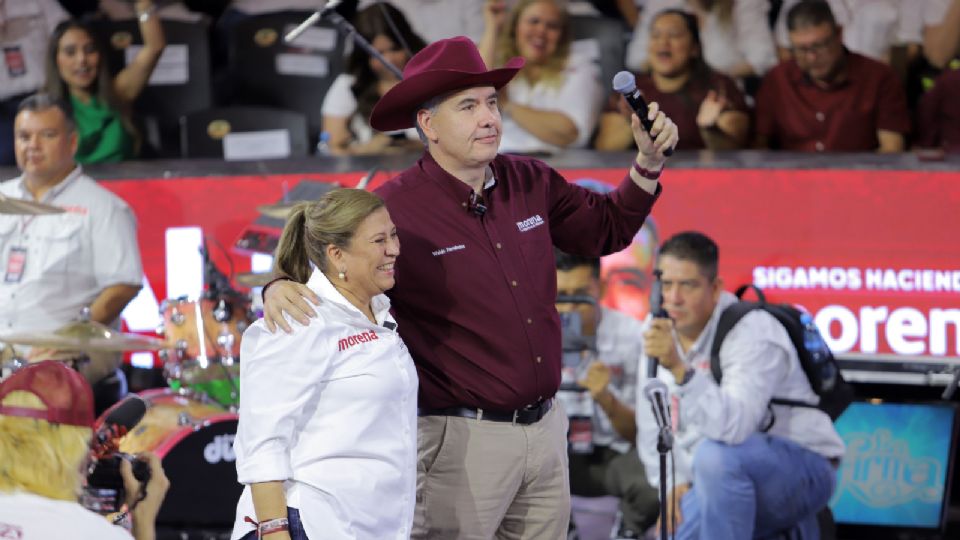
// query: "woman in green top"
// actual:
[[77, 73]]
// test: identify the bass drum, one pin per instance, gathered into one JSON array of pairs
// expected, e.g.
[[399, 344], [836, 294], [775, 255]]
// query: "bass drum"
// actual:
[[193, 436]]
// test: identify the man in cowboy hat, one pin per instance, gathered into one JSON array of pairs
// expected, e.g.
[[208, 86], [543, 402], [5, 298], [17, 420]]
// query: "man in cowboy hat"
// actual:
[[475, 293]]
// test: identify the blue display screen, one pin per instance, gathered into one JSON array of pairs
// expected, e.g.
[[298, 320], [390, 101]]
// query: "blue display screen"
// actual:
[[895, 469]]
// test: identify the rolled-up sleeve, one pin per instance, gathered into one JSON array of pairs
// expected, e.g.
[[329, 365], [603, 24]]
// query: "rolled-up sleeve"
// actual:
[[279, 376], [116, 254]]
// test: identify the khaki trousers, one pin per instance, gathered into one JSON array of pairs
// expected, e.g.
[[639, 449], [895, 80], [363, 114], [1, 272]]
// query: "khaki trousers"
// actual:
[[478, 479]]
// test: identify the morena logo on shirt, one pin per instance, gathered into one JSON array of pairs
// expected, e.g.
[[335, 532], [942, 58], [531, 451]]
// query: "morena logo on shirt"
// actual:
[[362, 337], [531, 222]]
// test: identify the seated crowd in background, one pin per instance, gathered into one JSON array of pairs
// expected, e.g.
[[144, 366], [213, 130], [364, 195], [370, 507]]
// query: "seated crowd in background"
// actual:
[[555, 101], [349, 101], [734, 73]]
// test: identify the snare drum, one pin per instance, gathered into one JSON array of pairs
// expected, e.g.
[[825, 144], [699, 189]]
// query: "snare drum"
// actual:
[[209, 364], [193, 437]]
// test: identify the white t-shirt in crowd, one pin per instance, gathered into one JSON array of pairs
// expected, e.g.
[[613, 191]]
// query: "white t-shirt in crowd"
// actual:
[[434, 20], [579, 96], [747, 38], [26, 516], [25, 28], [339, 102]]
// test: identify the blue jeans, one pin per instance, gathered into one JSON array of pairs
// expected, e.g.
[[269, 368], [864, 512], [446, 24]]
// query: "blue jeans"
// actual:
[[764, 487], [296, 527]]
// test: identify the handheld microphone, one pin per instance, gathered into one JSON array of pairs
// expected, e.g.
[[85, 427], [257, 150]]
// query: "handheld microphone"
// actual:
[[657, 311], [656, 392], [121, 418], [625, 83]]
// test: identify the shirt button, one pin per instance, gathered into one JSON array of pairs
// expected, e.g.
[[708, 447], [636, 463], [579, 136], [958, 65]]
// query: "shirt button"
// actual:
[[463, 204], [539, 359], [499, 246], [529, 321], [819, 146], [820, 116], [514, 283]]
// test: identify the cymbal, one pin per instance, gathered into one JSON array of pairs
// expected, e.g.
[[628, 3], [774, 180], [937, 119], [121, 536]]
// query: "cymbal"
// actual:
[[277, 211], [86, 336], [24, 207], [253, 279]]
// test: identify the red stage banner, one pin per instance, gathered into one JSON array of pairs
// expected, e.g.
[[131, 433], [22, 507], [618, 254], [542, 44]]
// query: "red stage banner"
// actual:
[[870, 252]]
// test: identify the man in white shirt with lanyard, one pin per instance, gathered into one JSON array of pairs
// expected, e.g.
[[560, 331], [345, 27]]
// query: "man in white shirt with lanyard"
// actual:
[[745, 468], [55, 265]]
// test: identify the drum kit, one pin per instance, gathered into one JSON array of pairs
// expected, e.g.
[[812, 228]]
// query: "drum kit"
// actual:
[[190, 425], [200, 338]]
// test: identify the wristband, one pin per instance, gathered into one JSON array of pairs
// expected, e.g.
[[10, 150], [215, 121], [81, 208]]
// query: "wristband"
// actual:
[[272, 526], [263, 291], [145, 15], [645, 173]]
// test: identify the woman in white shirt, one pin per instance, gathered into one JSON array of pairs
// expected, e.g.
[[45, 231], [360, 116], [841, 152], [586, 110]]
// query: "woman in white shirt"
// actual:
[[736, 36], [349, 101], [556, 99], [327, 438]]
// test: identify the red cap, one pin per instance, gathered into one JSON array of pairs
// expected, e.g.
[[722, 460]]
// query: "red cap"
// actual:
[[66, 394]]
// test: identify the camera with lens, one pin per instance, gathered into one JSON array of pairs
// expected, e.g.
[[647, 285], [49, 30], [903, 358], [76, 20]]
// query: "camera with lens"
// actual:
[[104, 492], [579, 351]]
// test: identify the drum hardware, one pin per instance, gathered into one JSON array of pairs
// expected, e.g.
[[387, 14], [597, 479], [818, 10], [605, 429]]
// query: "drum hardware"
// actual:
[[85, 336], [10, 361], [278, 210], [223, 312], [24, 207], [226, 341], [203, 338], [253, 279]]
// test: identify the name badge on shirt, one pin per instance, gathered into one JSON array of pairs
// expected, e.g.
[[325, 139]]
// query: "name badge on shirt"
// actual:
[[16, 64], [16, 262]]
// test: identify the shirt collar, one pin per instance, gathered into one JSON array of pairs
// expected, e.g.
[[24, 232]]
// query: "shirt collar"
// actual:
[[798, 76], [457, 189], [53, 192], [319, 284], [705, 339]]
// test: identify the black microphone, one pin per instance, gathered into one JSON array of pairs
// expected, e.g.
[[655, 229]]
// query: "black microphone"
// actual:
[[121, 418], [657, 311], [625, 83], [656, 392], [476, 205]]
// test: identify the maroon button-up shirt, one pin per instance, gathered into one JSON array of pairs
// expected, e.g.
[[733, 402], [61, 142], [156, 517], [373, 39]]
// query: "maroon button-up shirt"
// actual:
[[475, 295], [793, 113], [939, 113]]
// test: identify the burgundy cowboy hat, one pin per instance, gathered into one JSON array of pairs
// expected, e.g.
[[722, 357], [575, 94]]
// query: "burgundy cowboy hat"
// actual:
[[441, 67]]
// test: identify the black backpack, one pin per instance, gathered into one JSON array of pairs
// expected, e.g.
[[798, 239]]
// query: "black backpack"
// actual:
[[816, 359]]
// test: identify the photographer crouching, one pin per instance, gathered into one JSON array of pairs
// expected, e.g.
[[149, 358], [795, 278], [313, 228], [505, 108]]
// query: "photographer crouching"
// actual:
[[46, 419]]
